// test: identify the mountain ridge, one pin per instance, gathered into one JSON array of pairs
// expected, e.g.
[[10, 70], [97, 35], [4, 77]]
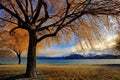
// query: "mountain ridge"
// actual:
[[78, 56]]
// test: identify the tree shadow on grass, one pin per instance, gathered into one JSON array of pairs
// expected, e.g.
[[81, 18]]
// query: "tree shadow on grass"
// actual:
[[16, 77], [111, 65]]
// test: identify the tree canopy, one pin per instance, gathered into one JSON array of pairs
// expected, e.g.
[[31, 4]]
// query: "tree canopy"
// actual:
[[49, 19]]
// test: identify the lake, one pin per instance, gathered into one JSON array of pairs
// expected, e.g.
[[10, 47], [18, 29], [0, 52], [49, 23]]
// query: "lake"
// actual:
[[62, 61]]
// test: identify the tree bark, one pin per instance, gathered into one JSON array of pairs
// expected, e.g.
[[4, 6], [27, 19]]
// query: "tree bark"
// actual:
[[31, 57]]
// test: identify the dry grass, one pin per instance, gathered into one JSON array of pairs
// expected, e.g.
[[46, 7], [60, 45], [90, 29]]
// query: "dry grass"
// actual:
[[63, 72]]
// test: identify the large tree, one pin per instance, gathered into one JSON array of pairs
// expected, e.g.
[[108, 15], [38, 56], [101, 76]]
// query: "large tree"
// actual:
[[50, 18]]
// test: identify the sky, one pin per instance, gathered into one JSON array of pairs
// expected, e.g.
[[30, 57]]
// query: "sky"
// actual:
[[64, 50], [58, 50], [71, 48], [99, 48]]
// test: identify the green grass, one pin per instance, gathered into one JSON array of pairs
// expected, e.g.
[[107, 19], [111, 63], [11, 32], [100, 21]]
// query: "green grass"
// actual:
[[64, 72]]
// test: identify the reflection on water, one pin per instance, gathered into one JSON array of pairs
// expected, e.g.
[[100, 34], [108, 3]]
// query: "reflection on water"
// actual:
[[63, 61]]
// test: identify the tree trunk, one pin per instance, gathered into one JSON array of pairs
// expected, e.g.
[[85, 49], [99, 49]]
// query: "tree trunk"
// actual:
[[18, 53], [19, 59], [31, 57]]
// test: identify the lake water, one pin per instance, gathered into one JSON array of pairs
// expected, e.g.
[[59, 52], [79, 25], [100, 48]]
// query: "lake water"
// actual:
[[63, 61]]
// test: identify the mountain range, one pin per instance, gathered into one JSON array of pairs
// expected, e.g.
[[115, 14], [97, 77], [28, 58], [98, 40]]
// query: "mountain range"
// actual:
[[78, 56]]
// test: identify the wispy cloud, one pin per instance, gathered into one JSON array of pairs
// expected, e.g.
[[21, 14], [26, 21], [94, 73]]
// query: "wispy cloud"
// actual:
[[52, 52]]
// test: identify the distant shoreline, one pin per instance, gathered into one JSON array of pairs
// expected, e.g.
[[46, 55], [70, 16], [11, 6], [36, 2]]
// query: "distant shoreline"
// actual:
[[69, 64], [60, 58], [63, 61]]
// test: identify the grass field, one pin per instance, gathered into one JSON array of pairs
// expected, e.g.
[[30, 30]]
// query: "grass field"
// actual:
[[62, 72]]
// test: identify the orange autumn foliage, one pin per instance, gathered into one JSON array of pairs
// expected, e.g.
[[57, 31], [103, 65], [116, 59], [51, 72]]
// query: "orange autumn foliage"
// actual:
[[18, 39]]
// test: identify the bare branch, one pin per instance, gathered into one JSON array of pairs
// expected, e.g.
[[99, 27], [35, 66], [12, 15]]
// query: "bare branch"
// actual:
[[39, 5], [46, 10], [8, 21], [23, 11], [14, 8], [51, 34], [10, 12], [13, 29], [31, 8], [26, 5]]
